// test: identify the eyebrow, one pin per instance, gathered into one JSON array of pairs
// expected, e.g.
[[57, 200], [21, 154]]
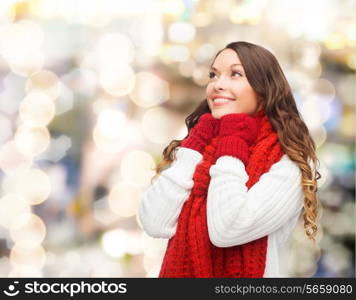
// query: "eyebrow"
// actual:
[[213, 68]]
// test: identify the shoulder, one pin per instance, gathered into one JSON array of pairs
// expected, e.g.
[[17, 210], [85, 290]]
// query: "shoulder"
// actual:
[[285, 163]]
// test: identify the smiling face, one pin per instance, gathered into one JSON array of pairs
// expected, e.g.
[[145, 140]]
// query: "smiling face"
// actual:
[[227, 80]]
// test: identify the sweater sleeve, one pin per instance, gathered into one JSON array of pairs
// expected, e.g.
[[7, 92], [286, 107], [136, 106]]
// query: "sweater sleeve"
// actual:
[[163, 200], [236, 215]]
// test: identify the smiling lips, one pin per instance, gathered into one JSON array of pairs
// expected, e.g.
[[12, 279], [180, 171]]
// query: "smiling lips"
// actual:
[[221, 101]]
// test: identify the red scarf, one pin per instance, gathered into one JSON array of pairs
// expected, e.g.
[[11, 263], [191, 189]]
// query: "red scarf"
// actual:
[[190, 252]]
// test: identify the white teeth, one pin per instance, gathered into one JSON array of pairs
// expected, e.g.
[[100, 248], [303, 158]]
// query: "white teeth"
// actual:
[[221, 100]]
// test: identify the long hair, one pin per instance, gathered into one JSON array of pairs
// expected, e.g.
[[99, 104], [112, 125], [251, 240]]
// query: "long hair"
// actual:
[[267, 79]]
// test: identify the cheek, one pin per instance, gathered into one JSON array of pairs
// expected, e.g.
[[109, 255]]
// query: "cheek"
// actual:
[[208, 89]]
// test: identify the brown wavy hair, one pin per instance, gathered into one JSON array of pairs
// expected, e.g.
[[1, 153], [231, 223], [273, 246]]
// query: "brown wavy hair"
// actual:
[[267, 79]]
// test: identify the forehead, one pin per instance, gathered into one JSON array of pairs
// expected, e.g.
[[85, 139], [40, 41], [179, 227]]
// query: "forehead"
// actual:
[[226, 59]]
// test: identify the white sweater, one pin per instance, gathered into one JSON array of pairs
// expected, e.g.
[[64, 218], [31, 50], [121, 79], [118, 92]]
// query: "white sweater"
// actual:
[[235, 215]]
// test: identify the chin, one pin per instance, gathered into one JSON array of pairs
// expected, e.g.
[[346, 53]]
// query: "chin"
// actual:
[[217, 114]]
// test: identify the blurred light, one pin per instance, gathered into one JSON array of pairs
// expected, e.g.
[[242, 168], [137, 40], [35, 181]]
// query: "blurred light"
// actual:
[[111, 122], [12, 160], [73, 257], [57, 149], [327, 176], [45, 9], [6, 128], [82, 81], [7, 12], [110, 134], [11, 206], [324, 88], [302, 250], [25, 272], [348, 124], [173, 8], [157, 125], [147, 32], [137, 168], [182, 133], [134, 243], [315, 111], [351, 61], [27, 63], [181, 32], [32, 141], [137, 219], [132, 7], [152, 266], [104, 102], [144, 59], [152, 247], [36, 110], [310, 55], [12, 93], [345, 90], [112, 270], [107, 144], [45, 82], [114, 242], [96, 13], [87, 60], [186, 68], [27, 258], [313, 27], [202, 19], [336, 41], [178, 53], [154, 271], [102, 212], [34, 186], [19, 38], [246, 12], [344, 221], [350, 33], [64, 102], [200, 75], [319, 135], [124, 198], [149, 90], [220, 9], [205, 52], [27, 231], [21, 46], [114, 48], [118, 80], [337, 258], [339, 163]]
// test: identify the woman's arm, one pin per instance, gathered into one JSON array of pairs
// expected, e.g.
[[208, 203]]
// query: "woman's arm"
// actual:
[[162, 202], [237, 215]]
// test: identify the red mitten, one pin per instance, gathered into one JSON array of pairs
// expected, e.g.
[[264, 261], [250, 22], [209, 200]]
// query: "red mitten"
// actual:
[[237, 132], [201, 134]]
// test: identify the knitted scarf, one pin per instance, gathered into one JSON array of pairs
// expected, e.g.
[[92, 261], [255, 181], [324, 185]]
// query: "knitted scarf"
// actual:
[[190, 252]]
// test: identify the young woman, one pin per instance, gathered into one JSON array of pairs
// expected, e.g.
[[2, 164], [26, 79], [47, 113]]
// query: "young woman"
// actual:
[[231, 192]]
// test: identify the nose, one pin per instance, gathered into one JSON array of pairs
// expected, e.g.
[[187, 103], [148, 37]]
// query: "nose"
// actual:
[[220, 83]]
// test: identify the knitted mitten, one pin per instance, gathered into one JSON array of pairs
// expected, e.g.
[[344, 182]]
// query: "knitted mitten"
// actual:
[[237, 132], [200, 135]]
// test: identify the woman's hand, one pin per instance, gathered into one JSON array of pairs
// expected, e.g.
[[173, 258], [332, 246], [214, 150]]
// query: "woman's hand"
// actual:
[[201, 134], [239, 125], [237, 132]]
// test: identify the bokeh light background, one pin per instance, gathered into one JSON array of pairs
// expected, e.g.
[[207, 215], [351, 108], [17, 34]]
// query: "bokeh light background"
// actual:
[[92, 91]]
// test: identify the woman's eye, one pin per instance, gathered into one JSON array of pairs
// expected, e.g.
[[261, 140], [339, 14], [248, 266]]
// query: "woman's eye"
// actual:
[[211, 74], [236, 73]]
